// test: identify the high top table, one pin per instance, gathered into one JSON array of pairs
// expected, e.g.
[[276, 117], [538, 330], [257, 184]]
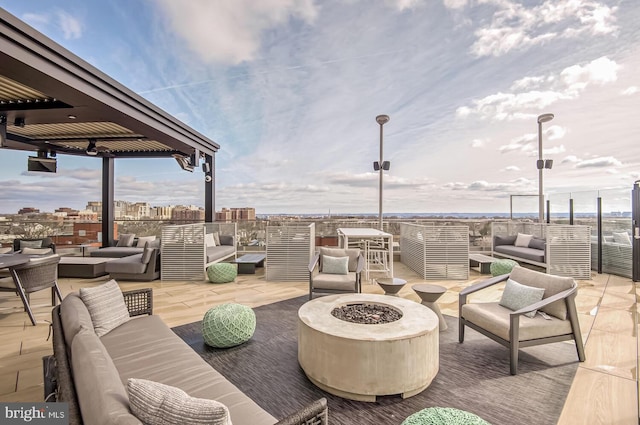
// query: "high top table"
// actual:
[[364, 233]]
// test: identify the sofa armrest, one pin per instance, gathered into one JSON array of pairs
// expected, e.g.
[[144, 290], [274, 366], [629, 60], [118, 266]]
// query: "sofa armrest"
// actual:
[[314, 413], [139, 301]]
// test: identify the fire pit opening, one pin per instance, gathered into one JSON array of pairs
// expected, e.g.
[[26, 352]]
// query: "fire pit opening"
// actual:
[[367, 313]]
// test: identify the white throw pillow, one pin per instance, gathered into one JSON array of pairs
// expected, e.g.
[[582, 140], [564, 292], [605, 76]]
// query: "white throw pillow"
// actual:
[[209, 240], [142, 240], [622, 238], [335, 265], [106, 306], [523, 240], [126, 239], [517, 296], [159, 404]]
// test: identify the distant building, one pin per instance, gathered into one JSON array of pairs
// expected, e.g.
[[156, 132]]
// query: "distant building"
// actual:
[[29, 210], [186, 214], [161, 213], [236, 214]]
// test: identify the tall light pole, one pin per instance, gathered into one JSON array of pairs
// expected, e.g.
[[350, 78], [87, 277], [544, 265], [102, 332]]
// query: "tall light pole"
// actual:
[[541, 164], [381, 166]]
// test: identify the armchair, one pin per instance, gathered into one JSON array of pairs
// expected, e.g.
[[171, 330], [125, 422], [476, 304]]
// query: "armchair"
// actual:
[[35, 275], [512, 328], [323, 282], [37, 243]]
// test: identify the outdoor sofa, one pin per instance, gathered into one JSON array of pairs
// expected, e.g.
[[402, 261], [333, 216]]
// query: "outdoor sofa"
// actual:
[[128, 244], [92, 371], [532, 253], [139, 267]]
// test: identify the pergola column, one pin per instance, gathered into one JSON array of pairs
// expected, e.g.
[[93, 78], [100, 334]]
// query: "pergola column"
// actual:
[[108, 216], [210, 189]]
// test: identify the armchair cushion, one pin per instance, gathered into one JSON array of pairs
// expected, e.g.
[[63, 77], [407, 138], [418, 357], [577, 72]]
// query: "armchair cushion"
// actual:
[[37, 244], [517, 296], [340, 282], [335, 265], [496, 319], [36, 251], [6, 250], [552, 285]]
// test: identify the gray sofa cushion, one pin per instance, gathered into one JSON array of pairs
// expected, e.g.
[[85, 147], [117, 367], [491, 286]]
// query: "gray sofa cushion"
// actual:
[[130, 264], [521, 252], [215, 253], [145, 348], [224, 240], [537, 243], [103, 398], [504, 240], [75, 316], [116, 251]]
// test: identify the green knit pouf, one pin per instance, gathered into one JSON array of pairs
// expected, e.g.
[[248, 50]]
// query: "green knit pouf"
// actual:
[[444, 416], [228, 325], [502, 266], [222, 272]]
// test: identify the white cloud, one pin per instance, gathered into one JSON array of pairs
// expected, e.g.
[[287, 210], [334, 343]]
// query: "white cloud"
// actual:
[[630, 90], [455, 4], [571, 159], [511, 168], [549, 89], [478, 143], [516, 26], [555, 132], [70, 25], [36, 19], [406, 4], [485, 186], [231, 32], [604, 161]]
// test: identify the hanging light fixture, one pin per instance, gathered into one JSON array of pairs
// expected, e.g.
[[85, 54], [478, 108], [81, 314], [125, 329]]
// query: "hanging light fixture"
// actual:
[[92, 150]]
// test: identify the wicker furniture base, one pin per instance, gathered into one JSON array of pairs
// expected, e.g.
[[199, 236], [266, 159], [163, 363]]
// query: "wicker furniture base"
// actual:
[[502, 266], [228, 325], [222, 272]]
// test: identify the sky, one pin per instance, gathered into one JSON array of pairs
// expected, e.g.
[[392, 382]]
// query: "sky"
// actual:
[[290, 89]]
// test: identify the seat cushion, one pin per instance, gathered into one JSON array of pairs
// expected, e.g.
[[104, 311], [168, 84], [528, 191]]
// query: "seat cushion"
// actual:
[[530, 254], [215, 253], [116, 251], [338, 282], [496, 319], [552, 285], [132, 264]]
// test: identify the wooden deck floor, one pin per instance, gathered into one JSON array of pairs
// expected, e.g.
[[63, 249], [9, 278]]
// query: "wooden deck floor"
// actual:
[[604, 391]]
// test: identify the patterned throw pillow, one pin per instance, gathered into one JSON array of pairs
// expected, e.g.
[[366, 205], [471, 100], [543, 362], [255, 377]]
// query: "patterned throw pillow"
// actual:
[[106, 306], [335, 265], [159, 404], [517, 296]]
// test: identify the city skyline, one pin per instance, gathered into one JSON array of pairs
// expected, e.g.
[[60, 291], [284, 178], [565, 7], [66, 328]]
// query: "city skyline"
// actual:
[[292, 89]]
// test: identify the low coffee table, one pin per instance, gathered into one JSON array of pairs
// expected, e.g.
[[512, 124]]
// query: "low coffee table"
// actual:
[[391, 286], [247, 263], [83, 267], [429, 294], [483, 262]]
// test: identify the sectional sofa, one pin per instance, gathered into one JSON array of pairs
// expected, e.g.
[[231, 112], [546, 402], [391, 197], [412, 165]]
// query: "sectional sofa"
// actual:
[[92, 371]]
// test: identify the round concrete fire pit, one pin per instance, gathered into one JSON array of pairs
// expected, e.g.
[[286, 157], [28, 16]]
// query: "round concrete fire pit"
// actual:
[[361, 361]]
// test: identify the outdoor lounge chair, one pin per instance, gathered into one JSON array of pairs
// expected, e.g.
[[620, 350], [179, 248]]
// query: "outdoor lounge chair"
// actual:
[[37, 274], [345, 281], [558, 320]]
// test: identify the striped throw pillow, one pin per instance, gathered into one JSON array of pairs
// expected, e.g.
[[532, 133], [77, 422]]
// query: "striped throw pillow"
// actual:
[[106, 306]]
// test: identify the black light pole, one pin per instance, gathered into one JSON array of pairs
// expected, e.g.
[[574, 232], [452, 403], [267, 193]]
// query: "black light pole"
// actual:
[[541, 164]]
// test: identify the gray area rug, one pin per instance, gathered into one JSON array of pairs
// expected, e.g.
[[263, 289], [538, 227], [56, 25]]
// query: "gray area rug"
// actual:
[[473, 376]]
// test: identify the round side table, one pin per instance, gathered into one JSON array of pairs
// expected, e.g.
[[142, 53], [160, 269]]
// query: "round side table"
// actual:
[[391, 285], [429, 294]]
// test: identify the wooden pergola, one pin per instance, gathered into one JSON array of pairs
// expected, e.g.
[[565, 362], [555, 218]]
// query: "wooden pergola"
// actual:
[[52, 102]]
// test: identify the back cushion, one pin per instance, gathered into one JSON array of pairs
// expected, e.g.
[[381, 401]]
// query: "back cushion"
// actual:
[[103, 399], [225, 240], [74, 316], [339, 252], [551, 284], [504, 240], [126, 239]]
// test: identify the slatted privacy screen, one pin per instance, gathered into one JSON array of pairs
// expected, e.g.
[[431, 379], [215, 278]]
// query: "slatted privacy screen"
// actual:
[[289, 251], [569, 251], [182, 252], [435, 252], [508, 228]]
